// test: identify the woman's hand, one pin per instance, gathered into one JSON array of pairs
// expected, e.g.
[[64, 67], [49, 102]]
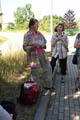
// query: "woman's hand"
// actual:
[[44, 46], [36, 46], [59, 37], [39, 46], [76, 44], [64, 43]]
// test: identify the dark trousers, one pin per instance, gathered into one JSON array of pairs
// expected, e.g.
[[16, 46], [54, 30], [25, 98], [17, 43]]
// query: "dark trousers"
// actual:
[[62, 63], [53, 63]]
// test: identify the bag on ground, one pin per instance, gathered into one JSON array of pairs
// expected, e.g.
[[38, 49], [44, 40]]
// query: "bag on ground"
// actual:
[[29, 93]]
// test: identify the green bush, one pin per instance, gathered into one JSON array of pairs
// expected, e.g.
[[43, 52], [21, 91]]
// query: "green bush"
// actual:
[[10, 27], [71, 32], [0, 26]]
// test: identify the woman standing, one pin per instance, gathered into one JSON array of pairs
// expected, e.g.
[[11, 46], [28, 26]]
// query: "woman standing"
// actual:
[[34, 45], [77, 46], [59, 45]]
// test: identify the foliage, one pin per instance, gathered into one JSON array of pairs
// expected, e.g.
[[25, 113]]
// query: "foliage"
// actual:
[[56, 21], [10, 27], [70, 23], [23, 15], [71, 32], [0, 26], [69, 20], [45, 23]]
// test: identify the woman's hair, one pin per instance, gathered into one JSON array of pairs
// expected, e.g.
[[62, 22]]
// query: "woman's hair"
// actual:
[[32, 22], [61, 24], [55, 29]]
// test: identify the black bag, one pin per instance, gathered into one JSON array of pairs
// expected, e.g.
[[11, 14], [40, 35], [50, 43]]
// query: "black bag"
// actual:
[[29, 93], [10, 107], [67, 49], [74, 60]]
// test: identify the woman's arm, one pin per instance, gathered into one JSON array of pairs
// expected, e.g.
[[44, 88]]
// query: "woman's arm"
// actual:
[[76, 45], [65, 41], [53, 41], [44, 39], [27, 46]]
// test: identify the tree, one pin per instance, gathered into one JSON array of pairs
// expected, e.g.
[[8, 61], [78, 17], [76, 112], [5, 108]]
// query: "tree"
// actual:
[[69, 20], [45, 22], [23, 15], [56, 20]]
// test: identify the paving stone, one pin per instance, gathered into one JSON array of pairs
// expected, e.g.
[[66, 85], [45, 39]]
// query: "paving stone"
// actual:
[[67, 118], [56, 111], [66, 102], [61, 109], [60, 116], [54, 117], [61, 104]]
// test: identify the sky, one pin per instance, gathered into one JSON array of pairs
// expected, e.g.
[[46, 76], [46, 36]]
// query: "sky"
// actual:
[[40, 8]]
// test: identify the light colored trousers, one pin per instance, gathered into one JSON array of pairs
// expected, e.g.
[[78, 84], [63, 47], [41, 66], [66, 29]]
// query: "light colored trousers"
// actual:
[[47, 72]]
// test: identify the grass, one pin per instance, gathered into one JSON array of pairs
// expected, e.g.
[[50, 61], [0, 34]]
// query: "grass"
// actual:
[[13, 72], [3, 39], [12, 64]]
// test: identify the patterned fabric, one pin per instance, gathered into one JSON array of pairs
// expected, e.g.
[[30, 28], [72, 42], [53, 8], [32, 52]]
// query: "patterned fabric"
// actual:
[[32, 55], [59, 48]]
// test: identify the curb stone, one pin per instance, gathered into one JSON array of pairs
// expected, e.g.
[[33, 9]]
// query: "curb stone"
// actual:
[[42, 108], [41, 111]]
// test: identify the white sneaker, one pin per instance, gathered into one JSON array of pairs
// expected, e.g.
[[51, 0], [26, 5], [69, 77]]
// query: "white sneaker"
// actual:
[[46, 92]]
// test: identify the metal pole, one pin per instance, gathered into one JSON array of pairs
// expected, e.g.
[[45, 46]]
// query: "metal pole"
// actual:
[[51, 17]]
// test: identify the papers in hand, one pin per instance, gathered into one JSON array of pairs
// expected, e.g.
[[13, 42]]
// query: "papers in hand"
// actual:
[[56, 55], [39, 42]]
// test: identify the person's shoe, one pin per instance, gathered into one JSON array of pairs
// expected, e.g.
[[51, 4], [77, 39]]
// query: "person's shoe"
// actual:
[[52, 89], [62, 80], [76, 89], [77, 78], [46, 92]]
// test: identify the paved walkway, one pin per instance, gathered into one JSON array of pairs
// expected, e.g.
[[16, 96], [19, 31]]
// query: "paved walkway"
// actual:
[[65, 103]]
